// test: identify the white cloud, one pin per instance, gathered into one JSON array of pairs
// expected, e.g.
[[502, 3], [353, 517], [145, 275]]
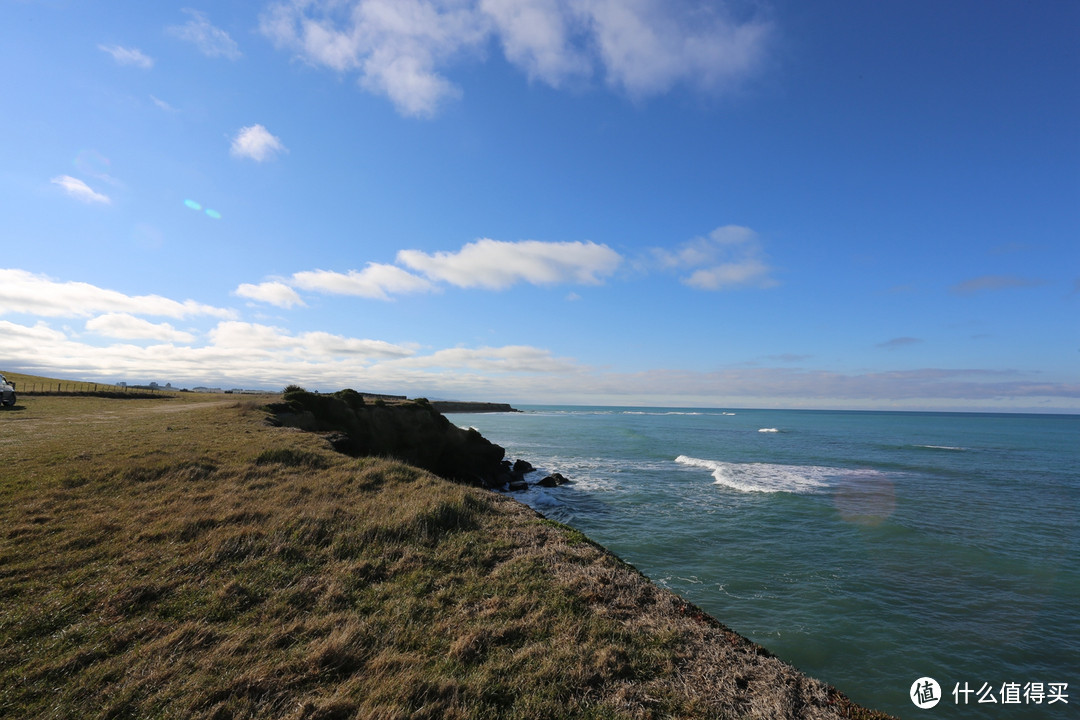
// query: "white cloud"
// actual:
[[128, 56], [395, 45], [376, 281], [129, 327], [648, 46], [17, 335], [399, 48], [489, 264], [79, 190], [734, 274], [730, 256], [323, 344], [496, 265], [25, 292], [163, 105], [272, 292], [267, 341], [211, 41], [248, 336], [257, 143], [537, 35]]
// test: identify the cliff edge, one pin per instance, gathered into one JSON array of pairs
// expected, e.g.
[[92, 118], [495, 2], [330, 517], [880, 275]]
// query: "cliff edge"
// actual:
[[414, 432]]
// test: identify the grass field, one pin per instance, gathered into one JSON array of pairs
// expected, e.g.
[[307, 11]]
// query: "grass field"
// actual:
[[38, 385], [181, 558]]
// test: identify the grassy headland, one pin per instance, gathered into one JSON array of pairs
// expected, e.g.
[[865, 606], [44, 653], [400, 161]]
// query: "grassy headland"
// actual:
[[182, 557]]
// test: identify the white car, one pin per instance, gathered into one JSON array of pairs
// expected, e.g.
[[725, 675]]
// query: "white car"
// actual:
[[7, 392]]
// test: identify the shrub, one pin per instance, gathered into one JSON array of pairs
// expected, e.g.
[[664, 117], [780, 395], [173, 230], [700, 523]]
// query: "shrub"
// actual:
[[350, 397]]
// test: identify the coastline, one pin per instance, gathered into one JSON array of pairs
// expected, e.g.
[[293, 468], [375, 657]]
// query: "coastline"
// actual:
[[460, 406], [280, 578]]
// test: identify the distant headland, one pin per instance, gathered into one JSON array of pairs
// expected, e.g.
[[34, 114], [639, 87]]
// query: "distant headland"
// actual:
[[457, 406]]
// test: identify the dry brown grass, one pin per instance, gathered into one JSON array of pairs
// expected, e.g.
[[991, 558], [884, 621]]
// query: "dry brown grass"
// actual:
[[38, 385], [181, 558]]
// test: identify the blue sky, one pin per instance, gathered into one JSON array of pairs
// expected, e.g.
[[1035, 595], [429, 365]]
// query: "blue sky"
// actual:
[[763, 204]]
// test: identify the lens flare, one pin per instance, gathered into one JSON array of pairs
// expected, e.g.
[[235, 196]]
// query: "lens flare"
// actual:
[[193, 205], [213, 213]]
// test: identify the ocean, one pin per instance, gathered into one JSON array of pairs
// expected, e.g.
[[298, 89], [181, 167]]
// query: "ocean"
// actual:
[[871, 550]]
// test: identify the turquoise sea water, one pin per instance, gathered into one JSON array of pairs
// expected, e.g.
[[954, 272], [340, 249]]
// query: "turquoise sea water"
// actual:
[[869, 549]]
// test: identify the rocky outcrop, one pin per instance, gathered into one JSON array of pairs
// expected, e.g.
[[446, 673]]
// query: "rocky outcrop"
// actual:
[[553, 480], [413, 432]]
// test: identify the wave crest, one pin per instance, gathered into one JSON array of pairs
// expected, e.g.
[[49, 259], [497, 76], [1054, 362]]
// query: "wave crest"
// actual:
[[764, 477]]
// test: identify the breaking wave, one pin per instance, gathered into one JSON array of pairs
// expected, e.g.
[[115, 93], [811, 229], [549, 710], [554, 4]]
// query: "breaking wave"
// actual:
[[666, 412], [765, 477]]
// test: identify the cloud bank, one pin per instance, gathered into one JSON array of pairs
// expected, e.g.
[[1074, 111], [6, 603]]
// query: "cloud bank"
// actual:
[[24, 292], [118, 342], [485, 264], [402, 48], [237, 353], [128, 327]]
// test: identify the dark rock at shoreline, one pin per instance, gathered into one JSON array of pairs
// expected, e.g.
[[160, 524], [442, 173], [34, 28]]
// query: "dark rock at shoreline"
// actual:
[[553, 480], [522, 467]]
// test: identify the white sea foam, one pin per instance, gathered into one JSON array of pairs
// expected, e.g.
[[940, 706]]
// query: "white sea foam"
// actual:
[[769, 430], [669, 412], [765, 477], [940, 447]]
